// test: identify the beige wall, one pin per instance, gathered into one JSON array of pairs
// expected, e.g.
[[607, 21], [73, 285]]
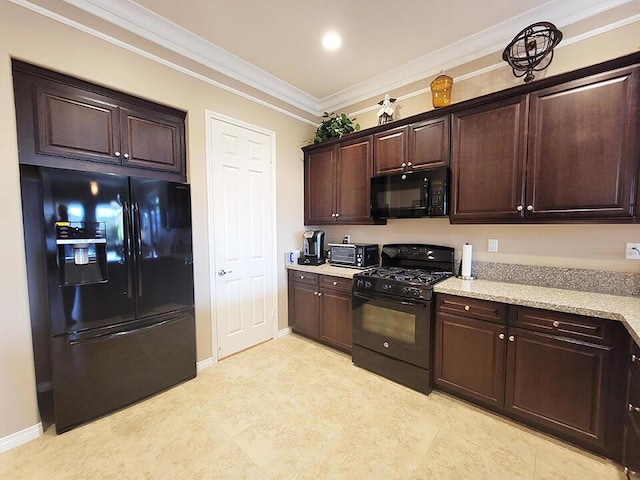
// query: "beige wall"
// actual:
[[581, 246], [34, 38]]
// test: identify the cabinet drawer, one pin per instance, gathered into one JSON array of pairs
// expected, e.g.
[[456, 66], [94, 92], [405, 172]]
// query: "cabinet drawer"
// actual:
[[633, 399], [336, 283], [635, 358], [471, 307], [303, 277], [588, 329]]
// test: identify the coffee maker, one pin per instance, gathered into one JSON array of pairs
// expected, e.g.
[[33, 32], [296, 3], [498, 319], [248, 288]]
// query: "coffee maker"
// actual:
[[312, 248]]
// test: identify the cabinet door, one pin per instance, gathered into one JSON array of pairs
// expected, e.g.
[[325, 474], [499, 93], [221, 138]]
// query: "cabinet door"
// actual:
[[558, 384], [583, 149], [303, 309], [353, 185], [319, 186], [487, 162], [429, 144], [470, 358], [73, 123], [152, 140], [335, 319], [390, 150]]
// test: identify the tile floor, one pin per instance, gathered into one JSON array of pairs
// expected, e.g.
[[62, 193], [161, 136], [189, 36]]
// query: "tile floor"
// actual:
[[292, 409]]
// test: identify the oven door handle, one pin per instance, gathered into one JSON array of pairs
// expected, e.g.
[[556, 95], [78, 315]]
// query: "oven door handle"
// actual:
[[382, 296]]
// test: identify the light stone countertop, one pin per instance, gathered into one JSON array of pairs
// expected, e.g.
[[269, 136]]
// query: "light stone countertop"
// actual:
[[327, 269], [613, 307]]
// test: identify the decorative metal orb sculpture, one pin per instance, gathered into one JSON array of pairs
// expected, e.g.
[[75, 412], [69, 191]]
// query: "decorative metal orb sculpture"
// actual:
[[531, 50]]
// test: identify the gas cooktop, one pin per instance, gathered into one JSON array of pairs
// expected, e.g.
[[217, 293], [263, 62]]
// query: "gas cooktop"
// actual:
[[407, 271]]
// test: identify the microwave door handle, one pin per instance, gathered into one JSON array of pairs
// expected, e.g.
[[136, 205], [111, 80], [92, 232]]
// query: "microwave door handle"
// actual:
[[426, 193]]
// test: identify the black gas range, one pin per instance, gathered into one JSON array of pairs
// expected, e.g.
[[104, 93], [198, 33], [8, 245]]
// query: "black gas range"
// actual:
[[392, 312]]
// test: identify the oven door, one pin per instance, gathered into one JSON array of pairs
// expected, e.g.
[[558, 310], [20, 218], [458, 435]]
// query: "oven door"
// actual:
[[400, 329]]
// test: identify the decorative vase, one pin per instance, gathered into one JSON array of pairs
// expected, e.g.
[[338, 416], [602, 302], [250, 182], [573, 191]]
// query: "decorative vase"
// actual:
[[441, 90]]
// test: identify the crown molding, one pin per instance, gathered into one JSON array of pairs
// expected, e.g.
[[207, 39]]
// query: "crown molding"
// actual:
[[148, 25], [151, 26], [486, 42]]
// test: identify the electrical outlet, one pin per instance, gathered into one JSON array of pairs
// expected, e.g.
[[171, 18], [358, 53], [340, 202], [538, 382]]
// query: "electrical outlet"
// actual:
[[632, 252], [346, 239], [492, 245]]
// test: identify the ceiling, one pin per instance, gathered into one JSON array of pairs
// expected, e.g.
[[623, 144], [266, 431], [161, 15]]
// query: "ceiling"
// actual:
[[275, 46]]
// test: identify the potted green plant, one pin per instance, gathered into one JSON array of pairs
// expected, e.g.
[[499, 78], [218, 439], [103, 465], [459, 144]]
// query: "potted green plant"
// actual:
[[334, 125]]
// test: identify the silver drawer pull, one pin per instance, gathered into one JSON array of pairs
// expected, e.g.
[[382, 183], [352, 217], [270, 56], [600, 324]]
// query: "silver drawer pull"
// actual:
[[633, 358], [556, 324], [301, 277], [335, 283], [386, 344], [634, 409], [512, 338], [501, 336], [467, 308]]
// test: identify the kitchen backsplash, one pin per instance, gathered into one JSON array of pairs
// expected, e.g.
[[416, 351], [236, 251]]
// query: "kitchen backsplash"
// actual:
[[614, 283]]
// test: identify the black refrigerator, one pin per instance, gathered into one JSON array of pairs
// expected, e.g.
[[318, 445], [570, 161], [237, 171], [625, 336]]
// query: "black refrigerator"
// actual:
[[110, 273]]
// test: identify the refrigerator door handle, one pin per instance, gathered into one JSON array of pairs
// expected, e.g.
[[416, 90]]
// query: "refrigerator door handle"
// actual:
[[126, 214], [138, 240], [111, 336]]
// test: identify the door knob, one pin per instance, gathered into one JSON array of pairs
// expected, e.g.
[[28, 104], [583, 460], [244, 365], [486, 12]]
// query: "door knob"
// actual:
[[222, 273], [501, 336]]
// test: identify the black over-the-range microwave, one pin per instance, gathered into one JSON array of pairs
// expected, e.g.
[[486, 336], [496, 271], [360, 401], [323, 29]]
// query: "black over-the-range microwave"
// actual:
[[411, 194]]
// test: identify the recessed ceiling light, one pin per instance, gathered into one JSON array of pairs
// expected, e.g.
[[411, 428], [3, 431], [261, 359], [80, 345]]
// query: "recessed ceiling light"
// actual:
[[331, 41]]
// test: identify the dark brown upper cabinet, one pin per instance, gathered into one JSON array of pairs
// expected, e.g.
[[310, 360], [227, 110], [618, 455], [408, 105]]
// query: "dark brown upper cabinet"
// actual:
[[413, 147], [67, 123], [564, 153], [391, 150], [337, 183]]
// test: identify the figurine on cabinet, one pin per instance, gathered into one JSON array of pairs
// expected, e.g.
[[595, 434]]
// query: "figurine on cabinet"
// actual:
[[385, 114]]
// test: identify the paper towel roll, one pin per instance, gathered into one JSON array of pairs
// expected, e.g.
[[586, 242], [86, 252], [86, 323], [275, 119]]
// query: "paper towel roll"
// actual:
[[466, 260]]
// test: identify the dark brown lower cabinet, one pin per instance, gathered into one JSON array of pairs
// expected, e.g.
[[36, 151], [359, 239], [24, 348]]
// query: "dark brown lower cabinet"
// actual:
[[558, 383], [560, 374], [320, 308], [631, 449], [470, 356]]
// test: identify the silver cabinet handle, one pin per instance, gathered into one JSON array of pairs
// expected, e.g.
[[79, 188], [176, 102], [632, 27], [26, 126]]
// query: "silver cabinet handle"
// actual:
[[126, 155], [333, 215], [409, 164], [222, 273], [319, 294], [501, 336], [467, 308], [335, 283], [556, 324], [530, 207], [634, 358], [337, 215], [634, 409], [629, 473], [301, 277], [315, 293], [512, 338], [116, 154], [386, 344], [404, 164], [519, 208]]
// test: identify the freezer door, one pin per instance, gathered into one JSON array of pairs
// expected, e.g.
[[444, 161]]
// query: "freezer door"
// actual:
[[94, 288], [162, 246], [100, 371]]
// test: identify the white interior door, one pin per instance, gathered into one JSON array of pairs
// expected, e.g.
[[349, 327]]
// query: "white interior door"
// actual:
[[243, 278]]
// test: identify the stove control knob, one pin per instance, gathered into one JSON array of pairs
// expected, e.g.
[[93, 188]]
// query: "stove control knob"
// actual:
[[416, 292], [406, 290], [359, 283], [367, 284], [386, 287]]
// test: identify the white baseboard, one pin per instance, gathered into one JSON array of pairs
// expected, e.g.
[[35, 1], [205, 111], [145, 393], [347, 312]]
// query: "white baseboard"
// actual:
[[284, 332], [202, 364], [23, 436]]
